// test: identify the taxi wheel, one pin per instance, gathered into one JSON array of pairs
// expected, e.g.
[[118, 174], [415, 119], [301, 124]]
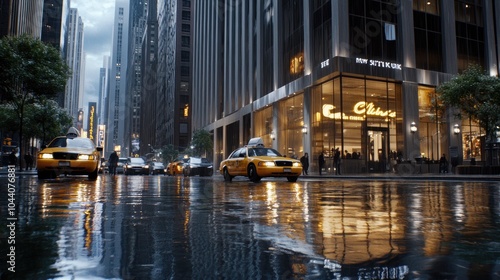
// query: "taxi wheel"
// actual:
[[93, 175], [292, 178], [227, 177], [252, 174]]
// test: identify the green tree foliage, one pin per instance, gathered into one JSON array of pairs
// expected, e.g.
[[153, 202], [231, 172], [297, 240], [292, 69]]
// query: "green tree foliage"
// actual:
[[202, 143], [46, 120], [476, 95], [29, 69], [169, 153]]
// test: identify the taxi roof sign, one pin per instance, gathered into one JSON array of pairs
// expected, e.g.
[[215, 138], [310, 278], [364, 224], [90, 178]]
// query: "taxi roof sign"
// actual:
[[256, 142]]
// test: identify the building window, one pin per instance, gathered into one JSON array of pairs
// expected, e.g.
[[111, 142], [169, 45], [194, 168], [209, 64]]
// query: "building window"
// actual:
[[428, 38], [186, 42], [322, 31], [431, 124], [293, 40], [373, 26], [185, 56], [268, 49], [470, 33]]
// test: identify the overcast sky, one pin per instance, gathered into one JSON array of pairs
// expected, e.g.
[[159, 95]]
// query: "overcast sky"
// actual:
[[97, 16]]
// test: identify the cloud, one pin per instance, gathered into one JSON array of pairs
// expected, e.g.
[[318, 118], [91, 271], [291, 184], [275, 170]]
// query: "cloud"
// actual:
[[98, 18]]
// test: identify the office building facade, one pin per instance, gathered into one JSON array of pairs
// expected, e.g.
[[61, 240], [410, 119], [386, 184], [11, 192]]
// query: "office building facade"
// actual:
[[75, 60], [19, 17], [173, 117], [358, 75], [115, 125]]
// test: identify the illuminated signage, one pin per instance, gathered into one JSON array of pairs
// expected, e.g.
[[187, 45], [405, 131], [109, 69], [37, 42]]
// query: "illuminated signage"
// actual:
[[92, 121], [361, 109], [378, 63]]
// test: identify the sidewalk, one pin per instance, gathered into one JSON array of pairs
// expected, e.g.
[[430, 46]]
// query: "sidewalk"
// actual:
[[395, 177], [368, 176]]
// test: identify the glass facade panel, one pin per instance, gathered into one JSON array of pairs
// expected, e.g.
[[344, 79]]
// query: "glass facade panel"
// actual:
[[357, 116], [431, 125], [263, 122], [373, 29], [290, 125]]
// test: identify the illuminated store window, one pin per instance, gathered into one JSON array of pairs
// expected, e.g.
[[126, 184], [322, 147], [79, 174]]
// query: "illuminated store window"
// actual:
[[291, 121], [263, 126], [431, 125], [472, 136]]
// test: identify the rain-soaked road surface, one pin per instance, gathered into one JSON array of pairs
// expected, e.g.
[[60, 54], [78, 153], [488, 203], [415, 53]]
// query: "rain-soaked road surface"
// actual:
[[158, 227]]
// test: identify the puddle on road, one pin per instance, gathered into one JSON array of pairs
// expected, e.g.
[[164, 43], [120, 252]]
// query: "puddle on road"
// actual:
[[160, 227]]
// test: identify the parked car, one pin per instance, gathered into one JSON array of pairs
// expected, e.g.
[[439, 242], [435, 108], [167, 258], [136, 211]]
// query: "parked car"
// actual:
[[120, 165], [136, 165], [175, 167], [69, 155], [198, 166], [156, 167], [256, 161]]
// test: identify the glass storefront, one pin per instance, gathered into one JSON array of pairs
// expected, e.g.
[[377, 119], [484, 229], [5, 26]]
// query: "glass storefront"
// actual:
[[432, 125], [358, 116], [363, 118]]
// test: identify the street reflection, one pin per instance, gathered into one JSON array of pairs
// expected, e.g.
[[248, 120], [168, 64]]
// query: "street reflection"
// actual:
[[158, 227]]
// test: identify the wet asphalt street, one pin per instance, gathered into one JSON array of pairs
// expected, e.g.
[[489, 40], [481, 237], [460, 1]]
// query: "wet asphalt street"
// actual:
[[161, 227]]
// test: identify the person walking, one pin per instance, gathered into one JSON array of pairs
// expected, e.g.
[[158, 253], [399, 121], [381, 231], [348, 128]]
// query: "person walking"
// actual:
[[336, 161], [113, 162], [321, 162], [13, 158], [305, 163], [443, 164], [29, 161]]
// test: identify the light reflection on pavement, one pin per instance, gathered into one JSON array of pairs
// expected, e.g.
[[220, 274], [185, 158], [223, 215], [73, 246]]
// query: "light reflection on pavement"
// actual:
[[159, 227]]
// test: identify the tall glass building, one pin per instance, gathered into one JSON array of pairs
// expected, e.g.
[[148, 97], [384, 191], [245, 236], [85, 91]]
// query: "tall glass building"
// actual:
[[360, 75]]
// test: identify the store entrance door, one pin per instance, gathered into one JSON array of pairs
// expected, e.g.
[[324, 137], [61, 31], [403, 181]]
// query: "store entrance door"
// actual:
[[377, 149]]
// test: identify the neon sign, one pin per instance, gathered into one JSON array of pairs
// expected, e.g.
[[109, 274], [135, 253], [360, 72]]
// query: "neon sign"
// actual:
[[361, 109]]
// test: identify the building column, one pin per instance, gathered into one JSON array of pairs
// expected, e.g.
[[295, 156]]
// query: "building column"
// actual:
[[307, 120], [340, 35], [491, 46], [449, 37], [410, 114]]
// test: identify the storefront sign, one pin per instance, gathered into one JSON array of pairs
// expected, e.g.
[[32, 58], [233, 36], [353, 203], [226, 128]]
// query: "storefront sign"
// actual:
[[378, 63], [361, 109]]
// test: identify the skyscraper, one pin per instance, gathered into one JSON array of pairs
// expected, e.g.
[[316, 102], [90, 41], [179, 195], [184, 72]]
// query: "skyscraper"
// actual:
[[311, 76], [115, 138], [75, 61], [18, 17]]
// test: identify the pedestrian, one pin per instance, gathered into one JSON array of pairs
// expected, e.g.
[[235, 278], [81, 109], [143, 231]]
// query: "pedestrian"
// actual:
[[443, 164], [113, 162], [13, 158], [29, 161], [321, 162], [336, 161], [305, 163]]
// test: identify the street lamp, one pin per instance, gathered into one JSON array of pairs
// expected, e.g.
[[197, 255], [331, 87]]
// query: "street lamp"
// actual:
[[304, 129], [413, 127], [456, 129]]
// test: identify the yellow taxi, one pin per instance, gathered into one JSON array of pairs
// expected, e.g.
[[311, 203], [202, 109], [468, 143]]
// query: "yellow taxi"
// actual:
[[176, 167], [256, 161], [70, 155]]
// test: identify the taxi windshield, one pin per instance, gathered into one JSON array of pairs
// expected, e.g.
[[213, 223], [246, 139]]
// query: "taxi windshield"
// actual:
[[253, 152], [71, 143]]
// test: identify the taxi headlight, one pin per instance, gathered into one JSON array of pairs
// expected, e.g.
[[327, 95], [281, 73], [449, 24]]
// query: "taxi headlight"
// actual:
[[85, 157], [146, 166], [267, 163], [297, 164], [45, 156]]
